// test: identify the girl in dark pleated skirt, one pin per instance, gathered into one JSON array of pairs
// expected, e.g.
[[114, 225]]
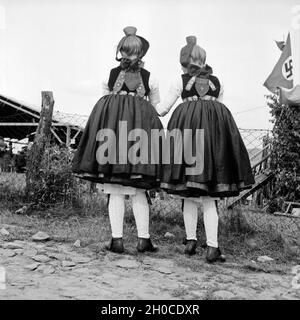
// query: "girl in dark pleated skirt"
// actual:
[[112, 151], [223, 167]]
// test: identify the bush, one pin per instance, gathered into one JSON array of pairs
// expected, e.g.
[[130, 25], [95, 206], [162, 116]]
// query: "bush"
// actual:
[[285, 160], [56, 183]]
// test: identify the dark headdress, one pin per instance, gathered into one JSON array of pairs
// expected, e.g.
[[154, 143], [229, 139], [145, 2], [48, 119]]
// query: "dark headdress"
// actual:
[[186, 51], [131, 31]]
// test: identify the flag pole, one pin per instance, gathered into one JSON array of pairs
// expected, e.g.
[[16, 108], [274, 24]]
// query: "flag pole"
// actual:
[[3, 49], [292, 96], [295, 45]]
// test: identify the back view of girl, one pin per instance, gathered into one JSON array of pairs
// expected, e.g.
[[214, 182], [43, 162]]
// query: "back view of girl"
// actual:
[[226, 166], [128, 104]]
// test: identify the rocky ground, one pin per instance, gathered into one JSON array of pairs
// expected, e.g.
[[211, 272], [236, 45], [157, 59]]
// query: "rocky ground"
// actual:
[[46, 269]]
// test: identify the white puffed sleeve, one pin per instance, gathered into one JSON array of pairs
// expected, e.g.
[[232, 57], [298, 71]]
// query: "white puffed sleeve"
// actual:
[[154, 95], [173, 94], [105, 88], [221, 94]]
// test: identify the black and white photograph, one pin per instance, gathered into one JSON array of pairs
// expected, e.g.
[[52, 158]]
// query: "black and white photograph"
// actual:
[[149, 151]]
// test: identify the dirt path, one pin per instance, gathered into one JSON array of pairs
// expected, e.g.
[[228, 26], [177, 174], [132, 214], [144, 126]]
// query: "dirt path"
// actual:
[[54, 270]]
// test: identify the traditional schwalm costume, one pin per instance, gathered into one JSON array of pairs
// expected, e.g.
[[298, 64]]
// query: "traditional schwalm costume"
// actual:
[[226, 165], [129, 101]]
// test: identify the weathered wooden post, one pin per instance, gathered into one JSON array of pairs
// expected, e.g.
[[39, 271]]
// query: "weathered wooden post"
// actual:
[[42, 136], [68, 138]]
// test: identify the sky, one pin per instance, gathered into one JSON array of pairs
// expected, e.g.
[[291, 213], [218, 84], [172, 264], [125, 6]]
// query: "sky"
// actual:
[[68, 47]]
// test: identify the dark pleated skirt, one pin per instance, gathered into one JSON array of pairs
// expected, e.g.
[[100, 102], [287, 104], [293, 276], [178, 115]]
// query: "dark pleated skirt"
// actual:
[[137, 113], [225, 161]]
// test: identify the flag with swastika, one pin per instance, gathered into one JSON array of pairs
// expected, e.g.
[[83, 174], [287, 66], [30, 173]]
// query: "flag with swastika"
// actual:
[[282, 74], [290, 97]]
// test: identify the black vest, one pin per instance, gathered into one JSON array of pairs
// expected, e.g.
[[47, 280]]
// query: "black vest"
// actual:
[[114, 75], [193, 92]]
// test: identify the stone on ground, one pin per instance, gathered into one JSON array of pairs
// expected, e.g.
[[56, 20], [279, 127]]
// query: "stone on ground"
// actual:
[[223, 295], [264, 259], [57, 256], [77, 244], [4, 232], [12, 245], [32, 266], [169, 235], [40, 236], [51, 248], [81, 259], [41, 258], [68, 264], [23, 210]]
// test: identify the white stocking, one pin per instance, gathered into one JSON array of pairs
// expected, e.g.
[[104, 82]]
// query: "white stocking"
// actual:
[[116, 210], [190, 217], [140, 210], [210, 217]]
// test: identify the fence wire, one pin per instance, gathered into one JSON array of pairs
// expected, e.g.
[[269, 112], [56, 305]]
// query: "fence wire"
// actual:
[[13, 166], [13, 184]]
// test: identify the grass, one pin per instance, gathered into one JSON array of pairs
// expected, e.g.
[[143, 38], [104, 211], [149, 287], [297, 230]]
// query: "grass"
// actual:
[[11, 188], [91, 225], [13, 179], [89, 222]]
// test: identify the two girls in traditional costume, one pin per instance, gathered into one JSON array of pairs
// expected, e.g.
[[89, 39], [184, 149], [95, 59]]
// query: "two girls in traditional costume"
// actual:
[[131, 96]]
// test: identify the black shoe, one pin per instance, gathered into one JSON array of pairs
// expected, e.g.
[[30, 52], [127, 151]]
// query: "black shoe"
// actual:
[[145, 244], [214, 254], [190, 247], [116, 245], [203, 245]]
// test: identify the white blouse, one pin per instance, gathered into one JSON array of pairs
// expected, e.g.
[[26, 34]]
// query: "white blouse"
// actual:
[[154, 95], [174, 93]]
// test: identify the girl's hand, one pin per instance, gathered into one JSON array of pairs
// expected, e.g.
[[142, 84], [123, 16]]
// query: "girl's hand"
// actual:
[[163, 114], [193, 98]]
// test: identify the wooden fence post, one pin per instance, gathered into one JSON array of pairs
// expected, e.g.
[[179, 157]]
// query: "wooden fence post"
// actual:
[[42, 136], [68, 137]]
